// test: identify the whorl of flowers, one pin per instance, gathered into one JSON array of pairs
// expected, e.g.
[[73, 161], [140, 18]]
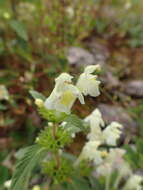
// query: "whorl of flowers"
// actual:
[[65, 92], [101, 147]]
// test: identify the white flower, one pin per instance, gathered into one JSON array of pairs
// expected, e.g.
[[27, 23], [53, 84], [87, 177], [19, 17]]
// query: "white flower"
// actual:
[[128, 5], [109, 163], [63, 95], [90, 152], [109, 135], [114, 161], [103, 169], [87, 82], [112, 133], [7, 184], [4, 95], [39, 102], [37, 139], [96, 122], [63, 124], [134, 183], [70, 12], [115, 158], [73, 135], [50, 124], [124, 169], [36, 187]]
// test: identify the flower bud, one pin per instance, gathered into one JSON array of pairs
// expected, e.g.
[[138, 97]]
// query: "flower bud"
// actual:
[[39, 102], [50, 124]]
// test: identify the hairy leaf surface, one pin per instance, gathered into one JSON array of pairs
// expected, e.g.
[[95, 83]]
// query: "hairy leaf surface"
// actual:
[[32, 156]]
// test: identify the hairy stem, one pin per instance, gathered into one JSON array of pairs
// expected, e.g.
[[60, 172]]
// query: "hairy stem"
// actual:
[[54, 131], [57, 156]]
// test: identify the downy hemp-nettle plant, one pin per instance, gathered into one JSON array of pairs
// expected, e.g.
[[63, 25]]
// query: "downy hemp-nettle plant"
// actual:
[[100, 164]]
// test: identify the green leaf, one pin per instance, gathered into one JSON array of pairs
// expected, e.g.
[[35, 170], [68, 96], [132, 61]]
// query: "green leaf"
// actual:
[[31, 157], [20, 29], [139, 145], [81, 183], [77, 184], [3, 107], [69, 156], [132, 156], [95, 183], [5, 174], [37, 95], [20, 153], [75, 120], [74, 124]]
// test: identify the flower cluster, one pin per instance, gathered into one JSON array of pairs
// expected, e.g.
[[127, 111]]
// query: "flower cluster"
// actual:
[[65, 92], [99, 135], [100, 155], [106, 161], [108, 135]]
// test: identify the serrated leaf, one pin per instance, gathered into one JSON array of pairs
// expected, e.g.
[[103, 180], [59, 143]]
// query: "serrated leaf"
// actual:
[[75, 120], [32, 156], [20, 29], [37, 95]]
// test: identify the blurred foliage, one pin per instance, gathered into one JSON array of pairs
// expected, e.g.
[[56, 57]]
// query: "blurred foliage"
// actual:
[[121, 18], [135, 155], [41, 27], [137, 114], [135, 152], [34, 37]]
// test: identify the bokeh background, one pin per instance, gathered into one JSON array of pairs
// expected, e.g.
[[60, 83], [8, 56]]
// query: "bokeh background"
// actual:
[[39, 39]]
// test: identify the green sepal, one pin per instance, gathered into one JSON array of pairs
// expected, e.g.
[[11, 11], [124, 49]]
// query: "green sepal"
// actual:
[[59, 172], [53, 143]]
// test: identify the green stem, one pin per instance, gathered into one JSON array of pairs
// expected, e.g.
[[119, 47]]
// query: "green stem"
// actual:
[[57, 156], [117, 181], [107, 184], [54, 131]]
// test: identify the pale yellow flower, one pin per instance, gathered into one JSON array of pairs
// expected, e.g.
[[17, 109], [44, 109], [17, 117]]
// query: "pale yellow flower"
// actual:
[[39, 102], [7, 184], [112, 133], [88, 83], [96, 122], [4, 95], [114, 161], [90, 152], [134, 183], [36, 187], [63, 95]]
